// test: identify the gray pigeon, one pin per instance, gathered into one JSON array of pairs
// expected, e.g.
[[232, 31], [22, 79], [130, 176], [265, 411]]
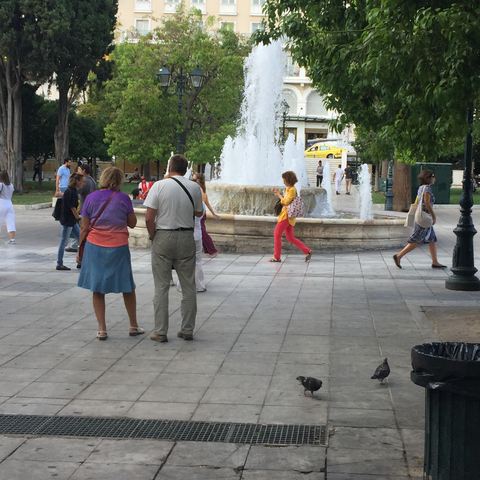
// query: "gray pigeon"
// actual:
[[382, 371], [311, 384]]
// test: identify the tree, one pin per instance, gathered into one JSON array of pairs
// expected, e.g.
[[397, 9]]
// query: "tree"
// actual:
[[39, 120], [408, 70], [28, 33], [84, 47], [144, 121]]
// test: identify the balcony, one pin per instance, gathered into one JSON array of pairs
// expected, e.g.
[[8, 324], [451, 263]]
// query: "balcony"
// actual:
[[228, 9]]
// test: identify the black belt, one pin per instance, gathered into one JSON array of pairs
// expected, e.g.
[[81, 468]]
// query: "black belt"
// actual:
[[181, 229]]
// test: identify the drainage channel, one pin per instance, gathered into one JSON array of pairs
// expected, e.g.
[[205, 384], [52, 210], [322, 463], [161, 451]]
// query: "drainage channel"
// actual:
[[249, 433]]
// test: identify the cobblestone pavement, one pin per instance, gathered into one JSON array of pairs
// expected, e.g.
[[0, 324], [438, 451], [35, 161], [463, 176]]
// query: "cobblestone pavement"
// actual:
[[259, 326]]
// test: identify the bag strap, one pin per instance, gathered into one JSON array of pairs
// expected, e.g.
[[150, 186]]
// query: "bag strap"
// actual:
[[102, 209], [187, 192]]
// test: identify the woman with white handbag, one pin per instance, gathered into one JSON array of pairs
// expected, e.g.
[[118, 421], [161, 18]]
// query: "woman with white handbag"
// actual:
[[423, 231], [292, 208]]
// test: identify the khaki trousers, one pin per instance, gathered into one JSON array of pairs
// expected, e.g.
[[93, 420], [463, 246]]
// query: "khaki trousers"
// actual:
[[175, 248]]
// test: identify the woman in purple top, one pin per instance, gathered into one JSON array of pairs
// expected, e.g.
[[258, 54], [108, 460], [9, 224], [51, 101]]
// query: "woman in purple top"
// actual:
[[106, 264]]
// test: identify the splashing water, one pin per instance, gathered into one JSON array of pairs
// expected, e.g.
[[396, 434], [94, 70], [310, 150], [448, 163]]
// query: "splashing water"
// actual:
[[253, 157], [365, 193]]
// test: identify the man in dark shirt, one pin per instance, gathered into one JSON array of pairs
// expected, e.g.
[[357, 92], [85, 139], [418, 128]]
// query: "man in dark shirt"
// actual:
[[90, 184], [348, 179]]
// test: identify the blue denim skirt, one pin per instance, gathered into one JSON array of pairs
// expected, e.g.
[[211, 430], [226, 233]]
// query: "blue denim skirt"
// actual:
[[106, 269]]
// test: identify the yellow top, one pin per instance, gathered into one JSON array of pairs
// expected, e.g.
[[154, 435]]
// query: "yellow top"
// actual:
[[290, 194]]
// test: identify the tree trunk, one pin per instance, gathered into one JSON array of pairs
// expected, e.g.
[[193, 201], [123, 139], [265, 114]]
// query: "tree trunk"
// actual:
[[376, 187], [384, 169], [402, 186], [11, 122], [146, 171], [61, 130]]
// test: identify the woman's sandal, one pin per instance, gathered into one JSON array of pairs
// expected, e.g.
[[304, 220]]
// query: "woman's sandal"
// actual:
[[309, 256], [102, 335], [136, 331], [274, 260]]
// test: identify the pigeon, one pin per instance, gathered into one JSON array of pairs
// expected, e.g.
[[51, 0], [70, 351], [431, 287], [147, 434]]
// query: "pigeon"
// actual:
[[382, 371], [311, 384]]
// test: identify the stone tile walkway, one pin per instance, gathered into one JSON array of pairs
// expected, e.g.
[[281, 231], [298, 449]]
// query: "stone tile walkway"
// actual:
[[259, 326]]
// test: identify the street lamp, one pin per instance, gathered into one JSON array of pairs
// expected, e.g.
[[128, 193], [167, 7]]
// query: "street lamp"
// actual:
[[463, 266], [285, 109], [165, 78]]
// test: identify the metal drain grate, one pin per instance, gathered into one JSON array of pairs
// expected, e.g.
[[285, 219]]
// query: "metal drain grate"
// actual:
[[163, 430]]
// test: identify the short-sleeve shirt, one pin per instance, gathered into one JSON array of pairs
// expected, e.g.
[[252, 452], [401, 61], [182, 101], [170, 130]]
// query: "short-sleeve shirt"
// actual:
[[64, 173], [70, 200], [338, 174], [174, 208], [89, 187], [349, 173], [6, 191], [110, 230], [319, 170]]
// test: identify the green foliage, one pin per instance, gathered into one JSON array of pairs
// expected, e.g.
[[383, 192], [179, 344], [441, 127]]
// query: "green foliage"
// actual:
[[408, 70], [144, 121]]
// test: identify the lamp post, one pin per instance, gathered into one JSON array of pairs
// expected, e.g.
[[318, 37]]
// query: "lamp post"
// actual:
[[165, 78], [389, 192], [285, 108], [463, 266]]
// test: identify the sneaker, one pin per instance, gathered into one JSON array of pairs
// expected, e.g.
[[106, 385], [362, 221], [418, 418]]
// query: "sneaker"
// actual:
[[62, 267], [68, 249], [11, 242], [158, 338], [185, 336], [211, 255]]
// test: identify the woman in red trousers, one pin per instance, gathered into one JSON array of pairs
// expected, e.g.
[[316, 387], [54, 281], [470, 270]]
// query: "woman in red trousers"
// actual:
[[286, 224]]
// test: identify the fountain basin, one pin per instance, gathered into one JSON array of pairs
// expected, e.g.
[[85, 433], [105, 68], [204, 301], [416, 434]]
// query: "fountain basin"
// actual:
[[254, 234], [257, 200]]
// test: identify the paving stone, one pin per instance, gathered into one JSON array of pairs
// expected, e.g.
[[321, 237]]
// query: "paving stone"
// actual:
[[225, 455], [20, 469], [115, 471]]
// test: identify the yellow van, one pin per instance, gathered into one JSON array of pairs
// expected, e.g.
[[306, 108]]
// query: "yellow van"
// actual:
[[321, 150]]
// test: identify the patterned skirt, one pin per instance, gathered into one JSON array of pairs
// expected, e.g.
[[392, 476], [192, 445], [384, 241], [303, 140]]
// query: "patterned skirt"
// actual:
[[422, 235]]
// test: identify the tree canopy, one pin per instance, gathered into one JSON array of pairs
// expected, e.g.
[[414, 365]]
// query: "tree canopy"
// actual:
[[145, 121], [407, 70]]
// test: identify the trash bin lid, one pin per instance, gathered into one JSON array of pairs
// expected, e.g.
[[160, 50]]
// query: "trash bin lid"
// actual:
[[438, 364]]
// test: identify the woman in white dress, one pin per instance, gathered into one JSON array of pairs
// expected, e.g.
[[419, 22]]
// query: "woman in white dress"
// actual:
[[7, 212]]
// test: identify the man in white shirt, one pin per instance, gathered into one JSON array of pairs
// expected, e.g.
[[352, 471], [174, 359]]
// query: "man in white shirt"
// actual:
[[170, 223], [338, 175]]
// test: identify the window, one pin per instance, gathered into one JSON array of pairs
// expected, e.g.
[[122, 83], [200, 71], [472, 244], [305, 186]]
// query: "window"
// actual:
[[143, 5], [200, 4], [256, 7], [228, 7], [142, 26], [254, 26], [171, 6], [315, 107], [292, 68], [229, 25]]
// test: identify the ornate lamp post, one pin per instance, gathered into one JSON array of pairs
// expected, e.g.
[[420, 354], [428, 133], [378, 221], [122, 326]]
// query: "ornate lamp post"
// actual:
[[285, 108], [463, 266], [389, 192], [165, 78]]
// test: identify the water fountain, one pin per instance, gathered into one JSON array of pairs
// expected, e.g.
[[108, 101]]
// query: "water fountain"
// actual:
[[253, 161]]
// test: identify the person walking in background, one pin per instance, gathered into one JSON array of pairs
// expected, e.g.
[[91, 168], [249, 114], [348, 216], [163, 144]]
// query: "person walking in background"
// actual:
[[172, 205], [422, 235], [207, 242], [286, 224], [319, 174], [63, 177], [348, 179], [338, 177], [106, 263], [36, 170], [7, 212], [69, 216], [90, 184]]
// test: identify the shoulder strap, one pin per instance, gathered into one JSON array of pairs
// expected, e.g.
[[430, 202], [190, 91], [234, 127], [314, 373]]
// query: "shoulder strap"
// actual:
[[186, 191], [102, 209]]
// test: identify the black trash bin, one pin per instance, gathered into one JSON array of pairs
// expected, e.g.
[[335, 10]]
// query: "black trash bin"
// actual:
[[450, 374]]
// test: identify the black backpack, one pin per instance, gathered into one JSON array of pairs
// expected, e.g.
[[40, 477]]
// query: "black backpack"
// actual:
[[57, 209]]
